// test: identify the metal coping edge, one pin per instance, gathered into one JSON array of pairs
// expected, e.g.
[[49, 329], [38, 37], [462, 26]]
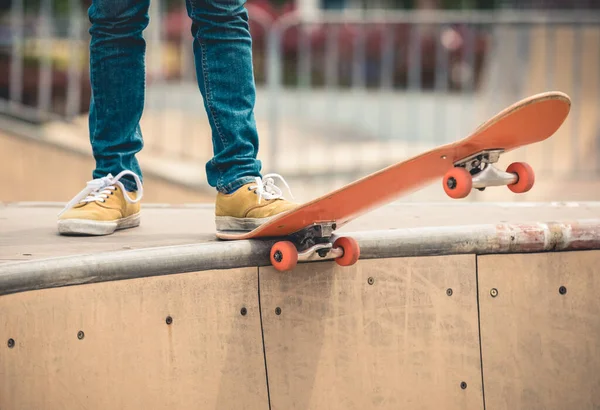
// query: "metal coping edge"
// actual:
[[499, 238]]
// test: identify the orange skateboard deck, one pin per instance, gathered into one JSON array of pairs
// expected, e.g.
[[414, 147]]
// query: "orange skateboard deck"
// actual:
[[462, 165]]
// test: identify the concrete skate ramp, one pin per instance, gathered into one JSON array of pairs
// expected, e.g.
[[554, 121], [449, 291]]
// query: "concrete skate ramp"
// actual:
[[34, 168], [564, 58], [568, 59], [494, 315]]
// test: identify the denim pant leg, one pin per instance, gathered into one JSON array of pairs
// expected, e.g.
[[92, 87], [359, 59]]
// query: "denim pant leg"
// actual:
[[117, 75], [223, 57]]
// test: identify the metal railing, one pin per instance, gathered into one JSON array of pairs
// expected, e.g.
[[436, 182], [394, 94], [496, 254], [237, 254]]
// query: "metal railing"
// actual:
[[340, 93], [413, 80]]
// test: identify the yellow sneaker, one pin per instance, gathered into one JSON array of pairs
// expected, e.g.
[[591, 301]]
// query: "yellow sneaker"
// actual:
[[101, 208], [251, 205]]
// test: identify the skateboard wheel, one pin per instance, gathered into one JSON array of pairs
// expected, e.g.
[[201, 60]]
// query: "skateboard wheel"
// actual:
[[458, 183], [525, 177], [350, 248], [284, 256]]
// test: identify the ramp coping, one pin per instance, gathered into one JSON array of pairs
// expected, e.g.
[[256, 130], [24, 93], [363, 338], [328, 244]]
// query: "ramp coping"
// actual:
[[393, 243]]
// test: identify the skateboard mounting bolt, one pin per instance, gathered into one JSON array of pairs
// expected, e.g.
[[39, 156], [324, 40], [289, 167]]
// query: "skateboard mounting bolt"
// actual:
[[169, 320], [494, 292], [80, 335], [278, 256], [278, 311], [243, 311], [463, 385], [370, 281], [449, 291], [11, 343], [562, 290]]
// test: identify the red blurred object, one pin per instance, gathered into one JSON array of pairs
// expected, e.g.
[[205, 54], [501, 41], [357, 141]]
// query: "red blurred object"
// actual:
[[414, 48]]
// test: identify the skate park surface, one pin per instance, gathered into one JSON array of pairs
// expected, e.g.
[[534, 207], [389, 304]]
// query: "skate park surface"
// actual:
[[452, 305]]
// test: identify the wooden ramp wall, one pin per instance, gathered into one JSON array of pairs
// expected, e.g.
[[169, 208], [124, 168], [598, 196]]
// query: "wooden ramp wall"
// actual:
[[513, 331]]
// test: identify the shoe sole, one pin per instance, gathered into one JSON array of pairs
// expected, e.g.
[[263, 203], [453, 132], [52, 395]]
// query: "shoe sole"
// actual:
[[91, 227], [230, 223]]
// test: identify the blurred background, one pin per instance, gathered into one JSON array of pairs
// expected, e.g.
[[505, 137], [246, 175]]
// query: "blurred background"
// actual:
[[344, 88]]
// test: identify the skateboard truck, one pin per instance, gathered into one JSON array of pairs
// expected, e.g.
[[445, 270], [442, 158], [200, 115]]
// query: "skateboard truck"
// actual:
[[314, 243], [478, 171]]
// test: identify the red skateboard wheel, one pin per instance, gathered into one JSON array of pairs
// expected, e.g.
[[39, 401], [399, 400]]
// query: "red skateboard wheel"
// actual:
[[525, 177], [284, 256], [350, 248], [457, 183]]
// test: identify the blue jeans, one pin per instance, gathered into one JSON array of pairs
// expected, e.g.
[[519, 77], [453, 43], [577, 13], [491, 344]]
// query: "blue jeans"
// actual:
[[223, 58]]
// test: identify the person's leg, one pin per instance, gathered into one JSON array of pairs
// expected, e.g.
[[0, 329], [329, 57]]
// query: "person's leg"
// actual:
[[223, 57], [117, 76]]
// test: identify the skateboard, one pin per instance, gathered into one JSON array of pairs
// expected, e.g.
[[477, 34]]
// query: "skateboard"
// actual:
[[306, 233]]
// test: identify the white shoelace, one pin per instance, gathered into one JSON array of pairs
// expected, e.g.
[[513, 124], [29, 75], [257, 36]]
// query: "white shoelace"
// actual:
[[100, 188], [267, 189]]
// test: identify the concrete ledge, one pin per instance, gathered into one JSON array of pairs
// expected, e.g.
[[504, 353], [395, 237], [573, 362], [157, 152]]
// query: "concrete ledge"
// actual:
[[427, 241]]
